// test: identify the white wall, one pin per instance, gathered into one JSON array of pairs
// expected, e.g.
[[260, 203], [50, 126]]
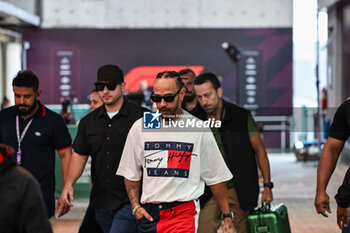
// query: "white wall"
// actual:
[[13, 65], [167, 14], [335, 66]]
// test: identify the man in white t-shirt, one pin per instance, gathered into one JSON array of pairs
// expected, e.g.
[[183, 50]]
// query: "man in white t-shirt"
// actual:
[[175, 161]]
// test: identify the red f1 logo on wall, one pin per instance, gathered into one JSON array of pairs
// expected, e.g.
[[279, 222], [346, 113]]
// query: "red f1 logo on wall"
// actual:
[[149, 73]]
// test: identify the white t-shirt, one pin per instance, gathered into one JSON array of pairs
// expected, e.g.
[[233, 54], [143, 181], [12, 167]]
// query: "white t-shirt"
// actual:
[[175, 165], [112, 114]]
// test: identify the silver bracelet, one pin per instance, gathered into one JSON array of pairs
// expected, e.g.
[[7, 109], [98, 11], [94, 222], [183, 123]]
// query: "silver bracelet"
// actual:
[[135, 208]]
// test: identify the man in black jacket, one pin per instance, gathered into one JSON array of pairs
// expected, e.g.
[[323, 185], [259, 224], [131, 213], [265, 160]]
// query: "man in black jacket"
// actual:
[[242, 147], [21, 203]]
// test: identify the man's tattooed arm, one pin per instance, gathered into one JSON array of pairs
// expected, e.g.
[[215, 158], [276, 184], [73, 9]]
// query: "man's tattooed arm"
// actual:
[[133, 189]]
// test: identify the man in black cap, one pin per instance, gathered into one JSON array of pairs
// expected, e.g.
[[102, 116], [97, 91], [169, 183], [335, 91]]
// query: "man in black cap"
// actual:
[[102, 134]]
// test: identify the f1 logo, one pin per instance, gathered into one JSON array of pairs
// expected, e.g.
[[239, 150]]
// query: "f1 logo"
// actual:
[[148, 73], [151, 120]]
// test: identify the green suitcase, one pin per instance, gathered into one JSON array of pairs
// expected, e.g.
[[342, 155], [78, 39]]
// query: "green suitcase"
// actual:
[[269, 219]]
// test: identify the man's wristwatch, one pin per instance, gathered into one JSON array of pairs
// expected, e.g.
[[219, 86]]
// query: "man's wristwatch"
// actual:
[[229, 215], [269, 185]]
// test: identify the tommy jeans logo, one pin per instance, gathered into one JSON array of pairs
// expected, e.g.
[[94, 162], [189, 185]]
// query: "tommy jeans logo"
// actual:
[[168, 159]]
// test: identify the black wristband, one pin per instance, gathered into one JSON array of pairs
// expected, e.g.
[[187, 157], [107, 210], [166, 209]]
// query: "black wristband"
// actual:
[[269, 185], [229, 215]]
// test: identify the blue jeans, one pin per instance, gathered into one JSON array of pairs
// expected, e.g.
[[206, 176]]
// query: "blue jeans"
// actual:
[[120, 221]]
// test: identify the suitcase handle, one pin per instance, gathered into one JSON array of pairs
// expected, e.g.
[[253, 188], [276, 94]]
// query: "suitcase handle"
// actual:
[[265, 207]]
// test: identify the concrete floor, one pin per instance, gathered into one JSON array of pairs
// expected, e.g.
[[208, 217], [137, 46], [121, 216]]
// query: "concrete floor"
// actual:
[[295, 184]]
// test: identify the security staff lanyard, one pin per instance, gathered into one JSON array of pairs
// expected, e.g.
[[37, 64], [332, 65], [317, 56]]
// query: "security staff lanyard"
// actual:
[[20, 138]]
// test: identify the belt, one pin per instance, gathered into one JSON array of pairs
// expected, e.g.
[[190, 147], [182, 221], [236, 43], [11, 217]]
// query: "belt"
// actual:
[[165, 205]]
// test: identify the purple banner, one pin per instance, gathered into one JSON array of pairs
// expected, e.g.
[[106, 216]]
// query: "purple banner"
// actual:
[[66, 61]]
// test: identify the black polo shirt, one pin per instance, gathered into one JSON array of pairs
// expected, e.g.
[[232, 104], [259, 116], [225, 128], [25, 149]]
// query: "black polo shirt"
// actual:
[[46, 133], [104, 138]]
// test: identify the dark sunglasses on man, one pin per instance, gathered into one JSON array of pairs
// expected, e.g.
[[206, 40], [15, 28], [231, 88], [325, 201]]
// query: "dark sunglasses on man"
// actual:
[[101, 86], [167, 98]]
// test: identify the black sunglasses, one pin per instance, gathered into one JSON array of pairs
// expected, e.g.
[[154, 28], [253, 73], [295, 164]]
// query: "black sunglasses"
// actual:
[[167, 98], [101, 86]]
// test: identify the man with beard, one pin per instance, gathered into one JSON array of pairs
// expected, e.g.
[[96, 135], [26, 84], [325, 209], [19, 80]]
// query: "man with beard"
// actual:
[[174, 165], [190, 103], [242, 147], [36, 132], [102, 134]]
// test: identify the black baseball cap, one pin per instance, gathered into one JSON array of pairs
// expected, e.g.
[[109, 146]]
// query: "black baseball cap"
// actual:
[[110, 73]]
